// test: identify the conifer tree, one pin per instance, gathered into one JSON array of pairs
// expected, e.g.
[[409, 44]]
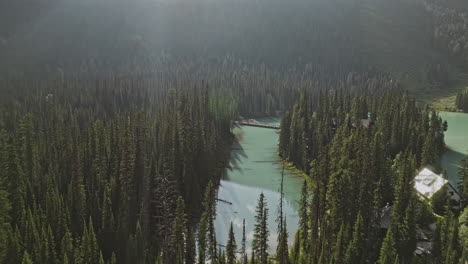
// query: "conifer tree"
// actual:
[[107, 218], [89, 246], [126, 183], [296, 249], [403, 208], [190, 254], [339, 205], [282, 252], [463, 233], [304, 213], [221, 256], [354, 252], [15, 250], [101, 259], [209, 216], [261, 232], [27, 151], [463, 178], [5, 230], [139, 244], [452, 248], [337, 256], [388, 252], [5, 205], [16, 182], [202, 243], [113, 259], [66, 247], [231, 247], [26, 259], [244, 240], [77, 193], [51, 246], [179, 233]]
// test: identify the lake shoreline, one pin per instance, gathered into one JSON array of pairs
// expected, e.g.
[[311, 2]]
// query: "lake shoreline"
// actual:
[[456, 143], [255, 167]]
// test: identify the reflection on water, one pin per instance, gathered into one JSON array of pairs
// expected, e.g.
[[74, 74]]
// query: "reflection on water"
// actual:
[[255, 168], [456, 138]]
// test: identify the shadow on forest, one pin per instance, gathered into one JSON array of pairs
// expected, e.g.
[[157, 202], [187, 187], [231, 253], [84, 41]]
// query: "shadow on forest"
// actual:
[[237, 155]]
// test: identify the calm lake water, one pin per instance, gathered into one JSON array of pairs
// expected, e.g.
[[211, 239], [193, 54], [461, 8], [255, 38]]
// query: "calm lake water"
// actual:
[[456, 138], [256, 168]]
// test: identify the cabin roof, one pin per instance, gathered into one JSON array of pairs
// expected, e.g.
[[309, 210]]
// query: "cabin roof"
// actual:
[[427, 183], [423, 247], [367, 123]]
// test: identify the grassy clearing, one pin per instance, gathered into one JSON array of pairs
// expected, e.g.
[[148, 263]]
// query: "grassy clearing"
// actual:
[[443, 99]]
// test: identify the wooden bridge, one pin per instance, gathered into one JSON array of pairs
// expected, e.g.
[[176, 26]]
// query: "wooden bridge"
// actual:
[[255, 124]]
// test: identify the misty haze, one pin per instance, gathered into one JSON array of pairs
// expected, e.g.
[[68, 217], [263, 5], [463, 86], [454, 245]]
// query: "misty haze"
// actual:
[[234, 131]]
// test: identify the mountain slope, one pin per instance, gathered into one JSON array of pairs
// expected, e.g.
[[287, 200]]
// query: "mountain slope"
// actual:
[[395, 36]]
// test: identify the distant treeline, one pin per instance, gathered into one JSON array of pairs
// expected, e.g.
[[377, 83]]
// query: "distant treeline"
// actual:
[[462, 101], [450, 32], [256, 89], [347, 34]]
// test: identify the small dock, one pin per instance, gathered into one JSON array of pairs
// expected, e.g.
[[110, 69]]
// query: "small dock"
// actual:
[[255, 124]]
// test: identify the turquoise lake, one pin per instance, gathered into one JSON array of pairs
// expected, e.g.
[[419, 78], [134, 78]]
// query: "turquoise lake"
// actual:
[[255, 168], [456, 139]]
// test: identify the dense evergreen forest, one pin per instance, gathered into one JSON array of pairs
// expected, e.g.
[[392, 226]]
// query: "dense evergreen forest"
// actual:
[[401, 125], [450, 34], [362, 153], [116, 122], [114, 172], [94, 174], [256, 90]]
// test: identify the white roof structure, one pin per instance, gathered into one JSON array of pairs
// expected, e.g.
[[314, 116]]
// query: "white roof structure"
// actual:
[[427, 182]]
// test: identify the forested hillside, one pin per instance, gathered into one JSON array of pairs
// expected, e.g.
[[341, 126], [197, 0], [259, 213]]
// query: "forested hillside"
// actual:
[[404, 37], [92, 169], [117, 123], [255, 90]]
